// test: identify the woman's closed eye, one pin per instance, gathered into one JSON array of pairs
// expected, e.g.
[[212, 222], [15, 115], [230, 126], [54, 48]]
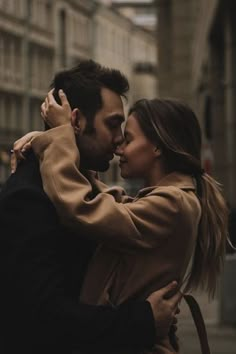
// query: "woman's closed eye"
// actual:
[[127, 141], [127, 138]]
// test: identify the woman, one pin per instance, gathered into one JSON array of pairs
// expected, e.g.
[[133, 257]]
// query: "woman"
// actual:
[[177, 222]]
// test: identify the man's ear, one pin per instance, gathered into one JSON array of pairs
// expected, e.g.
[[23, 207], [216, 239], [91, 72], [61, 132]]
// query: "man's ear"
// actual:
[[157, 152], [77, 120]]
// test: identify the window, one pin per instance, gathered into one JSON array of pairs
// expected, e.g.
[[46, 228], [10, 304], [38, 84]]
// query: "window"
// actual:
[[48, 14], [1, 55], [2, 111], [208, 117], [62, 36], [35, 122]]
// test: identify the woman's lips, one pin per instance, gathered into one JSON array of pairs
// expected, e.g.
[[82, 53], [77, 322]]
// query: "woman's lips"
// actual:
[[122, 162]]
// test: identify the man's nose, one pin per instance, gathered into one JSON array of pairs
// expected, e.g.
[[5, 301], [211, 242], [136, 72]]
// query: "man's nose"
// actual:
[[119, 139], [119, 149]]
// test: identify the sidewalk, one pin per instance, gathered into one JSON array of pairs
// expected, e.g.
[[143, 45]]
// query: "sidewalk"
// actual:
[[222, 339]]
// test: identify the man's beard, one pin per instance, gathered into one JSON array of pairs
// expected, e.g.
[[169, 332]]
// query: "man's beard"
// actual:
[[95, 164], [90, 157]]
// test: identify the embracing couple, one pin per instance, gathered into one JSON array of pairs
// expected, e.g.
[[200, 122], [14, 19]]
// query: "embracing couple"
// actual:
[[81, 262]]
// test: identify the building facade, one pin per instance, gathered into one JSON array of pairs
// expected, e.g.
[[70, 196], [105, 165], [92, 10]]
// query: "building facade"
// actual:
[[118, 43], [197, 56], [197, 49], [214, 78], [40, 37], [37, 38], [144, 82], [121, 44]]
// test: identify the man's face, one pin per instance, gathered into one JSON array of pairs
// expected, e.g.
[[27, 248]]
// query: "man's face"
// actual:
[[97, 148]]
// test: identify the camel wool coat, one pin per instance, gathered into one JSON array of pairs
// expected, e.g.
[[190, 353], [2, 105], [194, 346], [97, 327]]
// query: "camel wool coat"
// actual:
[[144, 243]]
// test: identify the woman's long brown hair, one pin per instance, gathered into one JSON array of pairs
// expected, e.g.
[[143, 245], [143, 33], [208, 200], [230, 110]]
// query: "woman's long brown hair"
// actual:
[[175, 129]]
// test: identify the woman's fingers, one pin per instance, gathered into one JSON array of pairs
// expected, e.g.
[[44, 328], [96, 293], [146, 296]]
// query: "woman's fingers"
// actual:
[[50, 98], [53, 113], [52, 102], [64, 100], [20, 147], [16, 154], [46, 104], [13, 162], [26, 147], [43, 111]]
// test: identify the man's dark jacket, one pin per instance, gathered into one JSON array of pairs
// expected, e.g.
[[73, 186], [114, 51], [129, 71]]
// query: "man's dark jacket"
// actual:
[[42, 268]]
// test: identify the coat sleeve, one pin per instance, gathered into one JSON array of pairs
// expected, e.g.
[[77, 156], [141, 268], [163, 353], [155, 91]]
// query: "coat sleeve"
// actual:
[[143, 223], [33, 291], [117, 192]]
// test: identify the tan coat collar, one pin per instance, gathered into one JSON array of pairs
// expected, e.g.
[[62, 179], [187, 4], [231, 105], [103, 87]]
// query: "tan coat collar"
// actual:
[[174, 179]]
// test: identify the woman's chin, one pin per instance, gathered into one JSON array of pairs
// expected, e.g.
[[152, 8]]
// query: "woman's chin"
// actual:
[[125, 175]]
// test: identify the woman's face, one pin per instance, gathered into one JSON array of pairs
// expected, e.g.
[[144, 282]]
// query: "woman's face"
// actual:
[[137, 153]]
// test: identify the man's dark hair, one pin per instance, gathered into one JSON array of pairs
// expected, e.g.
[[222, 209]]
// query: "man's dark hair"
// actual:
[[82, 84]]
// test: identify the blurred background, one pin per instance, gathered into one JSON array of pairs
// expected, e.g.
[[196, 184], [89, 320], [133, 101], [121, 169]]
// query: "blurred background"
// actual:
[[184, 49]]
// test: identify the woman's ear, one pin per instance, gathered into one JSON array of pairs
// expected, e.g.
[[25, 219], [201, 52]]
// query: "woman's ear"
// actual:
[[77, 120]]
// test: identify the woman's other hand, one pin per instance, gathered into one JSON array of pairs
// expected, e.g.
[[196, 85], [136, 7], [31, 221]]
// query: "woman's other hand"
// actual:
[[20, 147], [53, 113]]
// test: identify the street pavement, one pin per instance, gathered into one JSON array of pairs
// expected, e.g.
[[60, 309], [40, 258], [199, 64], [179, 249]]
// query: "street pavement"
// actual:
[[222, 339]]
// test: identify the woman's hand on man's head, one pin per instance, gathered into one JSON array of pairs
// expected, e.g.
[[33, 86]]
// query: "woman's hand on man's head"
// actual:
[[53, 113]]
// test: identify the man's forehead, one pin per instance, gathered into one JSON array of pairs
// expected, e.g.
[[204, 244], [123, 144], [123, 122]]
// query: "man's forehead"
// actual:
[[112, 103], [109, 96]]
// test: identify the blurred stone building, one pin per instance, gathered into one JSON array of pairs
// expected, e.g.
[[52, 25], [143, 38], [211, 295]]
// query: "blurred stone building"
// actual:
[[119, 43], [197, 55], [39, 37]]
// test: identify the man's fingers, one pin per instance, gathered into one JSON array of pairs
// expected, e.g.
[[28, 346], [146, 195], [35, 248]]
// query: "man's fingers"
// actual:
[[175, 299], [168, 289], [163, 293]]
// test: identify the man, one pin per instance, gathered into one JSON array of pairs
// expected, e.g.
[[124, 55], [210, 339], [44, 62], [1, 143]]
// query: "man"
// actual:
[[43, 264]]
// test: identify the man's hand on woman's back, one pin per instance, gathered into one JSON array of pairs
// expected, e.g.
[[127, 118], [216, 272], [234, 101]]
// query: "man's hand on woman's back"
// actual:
[[165, 308]]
